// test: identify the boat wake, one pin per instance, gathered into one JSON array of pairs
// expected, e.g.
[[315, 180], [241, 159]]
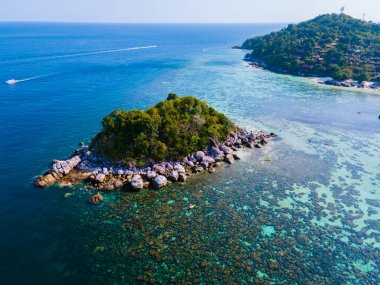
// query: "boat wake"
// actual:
[[14, 81], [77, 54]]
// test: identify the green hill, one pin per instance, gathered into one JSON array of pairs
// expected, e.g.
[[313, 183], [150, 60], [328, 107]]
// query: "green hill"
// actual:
[[171, 129], [329, 45]]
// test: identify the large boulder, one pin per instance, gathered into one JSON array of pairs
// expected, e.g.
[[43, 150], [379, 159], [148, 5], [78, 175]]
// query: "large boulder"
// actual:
[[159, 169], [236, 156], [96, 199], [65, 166], [173, 175], [229, 158], [44, 181], [230, 141], [193, 159], [137, 182], [105, 171], [179, 168], [182, 177], [199, 155], [151, 174], [204, 164], [100, 178], [215, 152], [160, 181], [209, 159], [226, 149]]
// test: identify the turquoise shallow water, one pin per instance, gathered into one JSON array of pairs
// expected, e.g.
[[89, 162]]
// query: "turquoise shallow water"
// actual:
[[303, 210]]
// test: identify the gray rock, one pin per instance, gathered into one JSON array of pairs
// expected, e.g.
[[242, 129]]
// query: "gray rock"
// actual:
[[230, 141], [192, 159], [208, 159], [190, 163], [215, 152], [237, 157], [169, 166], [199, 155], [64, 167], [105, 171], [151, 174], [234, 135], [160, 181], [100, 178], [204, 164], [226, 149], [173, 175], [218, 158], [118, 184], [159, 169], [182, 177], [137, 182], [120, 172], [229, 158], [179, 168]]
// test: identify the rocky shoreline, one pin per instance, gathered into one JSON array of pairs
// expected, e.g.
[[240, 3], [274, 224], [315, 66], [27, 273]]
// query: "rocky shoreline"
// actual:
[[85, 167], [349, 83], [366, 85]]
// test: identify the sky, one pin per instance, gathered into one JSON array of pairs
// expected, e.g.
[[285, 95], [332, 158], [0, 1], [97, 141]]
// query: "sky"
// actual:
[[182, 11]]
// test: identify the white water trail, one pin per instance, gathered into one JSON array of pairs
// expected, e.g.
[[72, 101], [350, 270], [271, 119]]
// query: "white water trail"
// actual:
[[14, 81], [76, 54]]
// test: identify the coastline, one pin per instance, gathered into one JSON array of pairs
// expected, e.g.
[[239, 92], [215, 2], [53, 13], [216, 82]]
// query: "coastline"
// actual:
[[99, 174], [326, 81]]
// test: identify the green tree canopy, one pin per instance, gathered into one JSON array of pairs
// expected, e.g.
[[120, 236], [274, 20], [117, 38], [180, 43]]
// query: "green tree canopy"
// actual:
[[333, 45], [171, 129]]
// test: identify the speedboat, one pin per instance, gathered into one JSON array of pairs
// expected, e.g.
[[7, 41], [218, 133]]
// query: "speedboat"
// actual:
[[11, 82]]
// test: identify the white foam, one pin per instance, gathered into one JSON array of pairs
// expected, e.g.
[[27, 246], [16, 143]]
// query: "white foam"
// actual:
[[77, 54], [14, 81]]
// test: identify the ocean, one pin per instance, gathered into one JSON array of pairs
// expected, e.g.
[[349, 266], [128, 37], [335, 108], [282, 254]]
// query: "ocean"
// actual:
[[302, 210]]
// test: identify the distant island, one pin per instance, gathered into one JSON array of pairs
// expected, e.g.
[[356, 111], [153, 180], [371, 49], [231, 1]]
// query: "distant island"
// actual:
[[332, 45], [164, 144]]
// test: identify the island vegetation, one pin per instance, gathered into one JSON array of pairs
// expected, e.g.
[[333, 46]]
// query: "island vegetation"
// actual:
[[166, 143], [331, 45], [169, 130]]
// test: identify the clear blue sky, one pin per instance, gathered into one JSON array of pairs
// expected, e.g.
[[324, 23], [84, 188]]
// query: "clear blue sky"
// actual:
[[181, 11]]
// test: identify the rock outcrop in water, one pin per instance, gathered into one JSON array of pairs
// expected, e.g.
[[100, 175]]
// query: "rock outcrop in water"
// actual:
[[90, 165], [57, 171]]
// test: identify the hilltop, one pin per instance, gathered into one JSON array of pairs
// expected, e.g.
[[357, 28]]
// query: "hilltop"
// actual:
[[334, 45], [169, 130]]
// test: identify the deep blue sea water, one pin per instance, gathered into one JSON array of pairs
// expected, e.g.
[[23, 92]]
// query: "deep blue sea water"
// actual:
[[304, 210]]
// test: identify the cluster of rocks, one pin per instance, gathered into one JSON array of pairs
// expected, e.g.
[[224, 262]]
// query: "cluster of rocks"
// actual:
[[351, 83], [58, 170], [86, 167]]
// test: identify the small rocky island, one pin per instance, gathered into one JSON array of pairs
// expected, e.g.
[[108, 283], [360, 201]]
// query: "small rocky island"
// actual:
[[340, 49], [164, 144]]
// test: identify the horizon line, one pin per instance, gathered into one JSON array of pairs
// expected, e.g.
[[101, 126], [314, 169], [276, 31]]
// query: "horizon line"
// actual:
[[141, 23]]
